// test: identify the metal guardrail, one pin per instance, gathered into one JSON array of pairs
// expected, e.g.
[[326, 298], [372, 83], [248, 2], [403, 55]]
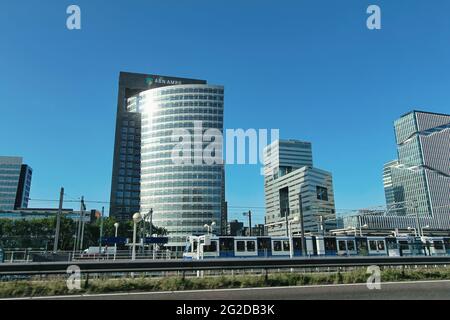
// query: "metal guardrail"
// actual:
[[216, 264]]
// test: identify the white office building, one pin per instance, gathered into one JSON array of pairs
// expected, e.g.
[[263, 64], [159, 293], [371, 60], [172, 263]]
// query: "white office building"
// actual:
[[293, 186]]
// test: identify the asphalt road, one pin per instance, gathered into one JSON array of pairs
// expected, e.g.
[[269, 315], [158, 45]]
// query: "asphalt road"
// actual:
[[424, 290]]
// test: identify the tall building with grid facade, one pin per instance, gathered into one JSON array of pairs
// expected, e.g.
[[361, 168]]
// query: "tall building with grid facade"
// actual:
[[420, 179]]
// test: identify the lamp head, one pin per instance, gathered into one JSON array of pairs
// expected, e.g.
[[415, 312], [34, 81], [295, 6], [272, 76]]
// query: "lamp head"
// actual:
[[137, 217]]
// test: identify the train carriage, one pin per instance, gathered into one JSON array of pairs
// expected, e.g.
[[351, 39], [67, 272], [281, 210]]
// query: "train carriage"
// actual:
[[207, 247]]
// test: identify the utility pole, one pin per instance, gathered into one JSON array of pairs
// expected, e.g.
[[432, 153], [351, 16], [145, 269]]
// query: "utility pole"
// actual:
[[101, 231], [83, 207], [416, 211], [77, 242], [287, 222], [302, 227], [151, 221], [58, 220]]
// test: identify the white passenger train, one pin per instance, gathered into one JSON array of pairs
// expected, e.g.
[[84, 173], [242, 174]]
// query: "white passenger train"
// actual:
[[206, 247]]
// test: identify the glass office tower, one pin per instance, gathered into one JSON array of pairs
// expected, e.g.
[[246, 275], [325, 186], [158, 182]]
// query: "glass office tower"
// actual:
[[15, 183], [126, 173], [421, 179], [183, 196]]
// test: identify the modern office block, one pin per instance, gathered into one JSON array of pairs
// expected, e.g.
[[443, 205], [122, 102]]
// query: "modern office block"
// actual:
[[421, 178], [24, 187], [184, 196], [293, 187], [15, 183], [126, 173]]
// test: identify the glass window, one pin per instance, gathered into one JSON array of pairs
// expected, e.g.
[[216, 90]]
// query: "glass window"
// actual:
[[438, 245], [380, 245], [341, 245], [322, 193], [251, 246], [350, 245], [240, 246], [277, 245], [286, 245], [373, 245], [330, 244], [211, 248]]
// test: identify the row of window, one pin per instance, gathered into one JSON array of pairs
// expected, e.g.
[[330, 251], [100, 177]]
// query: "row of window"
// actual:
[[188, 90], [193, 169], [129, 172], [121, 194], [179, 111], [202, 199], [165, 136], [127, 202], [185, 176], [129, 179], [189, 117], [9, 178], [183, 97], [134, 187], [180, 184], [10, 166], [181, 191], [218, 124], [186, 207]]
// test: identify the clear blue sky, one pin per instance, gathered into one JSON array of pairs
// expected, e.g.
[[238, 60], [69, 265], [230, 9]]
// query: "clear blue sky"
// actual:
[[310, 68]]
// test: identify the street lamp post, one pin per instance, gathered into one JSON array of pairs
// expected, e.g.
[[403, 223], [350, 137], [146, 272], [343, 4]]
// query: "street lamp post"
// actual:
[[209, 228], [291, 237], [116, 225], [361, 226], [137, 217]]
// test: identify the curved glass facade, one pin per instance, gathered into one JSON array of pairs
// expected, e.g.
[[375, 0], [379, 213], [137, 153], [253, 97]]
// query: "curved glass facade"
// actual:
[[184, 197]]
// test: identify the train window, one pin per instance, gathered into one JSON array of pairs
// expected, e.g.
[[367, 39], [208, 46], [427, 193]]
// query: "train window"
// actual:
[[438, 245], [373, 245], [263, 244], [330, 244], [361, 244], [404, 245], [250, 245], [194, 247], [447, 242], [286, 245], [380, 245], [240, 246], [341, 245], [211, 248], [277, 245], [350, 245], [226, 244]]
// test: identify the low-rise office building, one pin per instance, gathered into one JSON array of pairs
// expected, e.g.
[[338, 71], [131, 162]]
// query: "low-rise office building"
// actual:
[[15, 183], [45, 213]]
